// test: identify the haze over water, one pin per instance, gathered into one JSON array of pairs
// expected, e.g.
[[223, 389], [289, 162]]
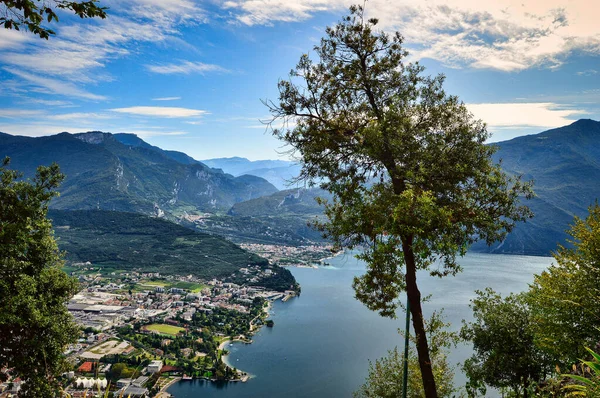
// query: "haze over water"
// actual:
[[323, 340]]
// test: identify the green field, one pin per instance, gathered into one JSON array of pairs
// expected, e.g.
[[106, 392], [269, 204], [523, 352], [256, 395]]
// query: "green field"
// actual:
[[155, 283], [165, 329], [191, 286]]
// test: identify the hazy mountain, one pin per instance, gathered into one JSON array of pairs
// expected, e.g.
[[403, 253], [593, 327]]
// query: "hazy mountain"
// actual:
[[278, 172], [565, 166], [299, 202], [279, 218], [124, 173]]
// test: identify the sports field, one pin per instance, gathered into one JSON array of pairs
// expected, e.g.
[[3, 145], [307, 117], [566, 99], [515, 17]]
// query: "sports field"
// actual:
[[164, 329]]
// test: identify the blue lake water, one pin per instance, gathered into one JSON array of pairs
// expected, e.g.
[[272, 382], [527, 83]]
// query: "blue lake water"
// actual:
[[322, 341]]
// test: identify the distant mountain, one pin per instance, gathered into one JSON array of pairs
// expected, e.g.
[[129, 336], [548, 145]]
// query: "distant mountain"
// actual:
[[122, 172], [279, 218], [299, 202], [280, 173], [565, 166]]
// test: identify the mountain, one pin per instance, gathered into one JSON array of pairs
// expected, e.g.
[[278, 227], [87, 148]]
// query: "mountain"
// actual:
[[298, 202], [122, 172], [565, 166], [127, 241], [280, 173], [279, 218]]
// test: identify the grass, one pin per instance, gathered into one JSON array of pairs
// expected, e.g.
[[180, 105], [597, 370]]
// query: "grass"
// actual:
[[155, 283], [191, 286], [165, 329]]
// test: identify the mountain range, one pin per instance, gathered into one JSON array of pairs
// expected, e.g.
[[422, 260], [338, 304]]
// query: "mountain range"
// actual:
[[564, 164], [122, 172], [280, 173]]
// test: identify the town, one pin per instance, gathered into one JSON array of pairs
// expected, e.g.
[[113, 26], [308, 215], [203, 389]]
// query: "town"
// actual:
[[141, 332]]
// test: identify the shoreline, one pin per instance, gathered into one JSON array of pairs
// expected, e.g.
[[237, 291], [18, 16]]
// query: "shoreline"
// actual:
[[162, 393]]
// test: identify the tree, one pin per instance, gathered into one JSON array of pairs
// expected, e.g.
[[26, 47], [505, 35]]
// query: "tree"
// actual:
[[564, 298], [385, 379], [35, 326], [502, 334], [30, 14], [411, 178]]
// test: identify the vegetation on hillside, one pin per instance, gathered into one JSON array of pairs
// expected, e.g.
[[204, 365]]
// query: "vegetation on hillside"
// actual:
[[129, 241]]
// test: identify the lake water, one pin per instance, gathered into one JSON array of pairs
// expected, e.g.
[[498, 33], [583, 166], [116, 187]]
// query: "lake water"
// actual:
[[322, 341]]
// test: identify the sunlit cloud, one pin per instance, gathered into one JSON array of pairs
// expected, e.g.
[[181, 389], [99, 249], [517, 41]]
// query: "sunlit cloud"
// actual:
[[54, 86], [504, 35], [516, 115], [186, 68], [18, 113], [159, 111], [166, 99]]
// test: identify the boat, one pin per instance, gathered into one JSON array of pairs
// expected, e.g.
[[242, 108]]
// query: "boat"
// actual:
[[186, 377]]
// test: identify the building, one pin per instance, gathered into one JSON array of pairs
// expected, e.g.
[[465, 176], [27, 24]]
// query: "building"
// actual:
[[123, 383], [133, 392], [155, 366]]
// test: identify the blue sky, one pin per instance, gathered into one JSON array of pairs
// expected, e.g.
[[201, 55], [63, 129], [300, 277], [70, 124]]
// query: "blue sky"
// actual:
[[190, 75]]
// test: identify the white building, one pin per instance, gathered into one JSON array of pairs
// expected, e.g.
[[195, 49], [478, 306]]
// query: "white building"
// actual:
[[155, 366]]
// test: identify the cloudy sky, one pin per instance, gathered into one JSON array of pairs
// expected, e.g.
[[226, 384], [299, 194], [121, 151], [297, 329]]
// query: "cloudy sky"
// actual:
[[190, 75]]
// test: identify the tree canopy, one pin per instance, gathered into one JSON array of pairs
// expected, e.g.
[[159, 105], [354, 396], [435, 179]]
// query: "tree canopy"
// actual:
[[35, 325], [411, 177], [385, 379], [505, 355], [564, 298], [32, 14]]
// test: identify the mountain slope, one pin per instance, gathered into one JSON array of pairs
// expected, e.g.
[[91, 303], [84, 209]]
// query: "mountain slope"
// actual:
[[565, 166], [280, 218], [127, 241], [104, 173]]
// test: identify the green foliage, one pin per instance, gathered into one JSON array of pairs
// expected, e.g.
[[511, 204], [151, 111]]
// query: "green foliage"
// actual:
[[126, 241], [411, 177], [35, 325], [385, 379], [564, 299], [121, 371], [587, 385], [502, 335], [31, 14]]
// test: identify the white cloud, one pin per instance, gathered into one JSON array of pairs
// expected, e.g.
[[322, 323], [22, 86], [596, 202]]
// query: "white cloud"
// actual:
[[160, 111], [185, 67], [53, 86], [516, 115], [59, 103], [588, 72], [79, 53], [507, 35], [18, 113], [78, 116], [12, 39], [166, 99]]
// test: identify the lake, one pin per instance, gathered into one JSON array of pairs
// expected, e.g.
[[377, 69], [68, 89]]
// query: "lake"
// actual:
[[322, 341]]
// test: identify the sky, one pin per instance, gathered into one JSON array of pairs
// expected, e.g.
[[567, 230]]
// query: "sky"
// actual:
[[191, 75]]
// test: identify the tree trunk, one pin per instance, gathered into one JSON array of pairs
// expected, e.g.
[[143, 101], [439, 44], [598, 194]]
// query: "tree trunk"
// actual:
[[414, 297]]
